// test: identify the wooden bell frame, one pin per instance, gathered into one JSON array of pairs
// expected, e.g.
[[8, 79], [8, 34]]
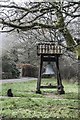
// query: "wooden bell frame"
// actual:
[[49, 52]]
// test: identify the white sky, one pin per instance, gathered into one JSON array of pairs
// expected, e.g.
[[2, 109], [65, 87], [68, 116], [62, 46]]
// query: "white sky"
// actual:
[[22, 1]]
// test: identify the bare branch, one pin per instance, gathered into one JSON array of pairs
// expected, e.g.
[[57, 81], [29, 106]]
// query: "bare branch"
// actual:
[[7, 31], [34, 25]]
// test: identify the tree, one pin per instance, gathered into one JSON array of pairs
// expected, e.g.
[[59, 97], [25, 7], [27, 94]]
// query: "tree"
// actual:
[[51, 20], [41, 15]]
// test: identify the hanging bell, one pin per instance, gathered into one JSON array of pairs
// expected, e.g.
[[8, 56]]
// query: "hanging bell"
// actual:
[[49, 70]]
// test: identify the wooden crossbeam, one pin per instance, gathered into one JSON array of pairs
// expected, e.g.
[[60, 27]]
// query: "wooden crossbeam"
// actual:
[[49, 86]]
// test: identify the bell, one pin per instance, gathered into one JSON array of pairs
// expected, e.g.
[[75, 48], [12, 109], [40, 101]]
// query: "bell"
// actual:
[[49, 70]]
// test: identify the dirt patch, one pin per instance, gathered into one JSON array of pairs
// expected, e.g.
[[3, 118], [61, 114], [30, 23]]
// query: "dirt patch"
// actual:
[[52, 95]]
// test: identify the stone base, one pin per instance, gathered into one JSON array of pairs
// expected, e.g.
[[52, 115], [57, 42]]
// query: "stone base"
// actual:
[[38, 92], [61, 89], [61, 92]]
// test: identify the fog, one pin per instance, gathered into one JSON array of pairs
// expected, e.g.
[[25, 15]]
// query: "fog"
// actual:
[[0, 45]]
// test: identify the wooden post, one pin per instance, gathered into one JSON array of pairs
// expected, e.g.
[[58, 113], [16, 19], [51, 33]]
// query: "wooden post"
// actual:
[[39, 75], [59, 81]]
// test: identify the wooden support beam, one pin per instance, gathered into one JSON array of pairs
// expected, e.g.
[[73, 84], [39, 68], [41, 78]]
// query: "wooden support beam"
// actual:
[[59, 81], [39, 75], [49, 58], [48, 86]]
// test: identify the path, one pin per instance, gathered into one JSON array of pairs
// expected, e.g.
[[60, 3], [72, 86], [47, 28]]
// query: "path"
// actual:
[[17, 80]]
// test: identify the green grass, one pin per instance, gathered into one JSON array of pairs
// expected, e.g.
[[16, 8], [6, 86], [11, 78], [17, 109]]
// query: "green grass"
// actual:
[[26, 104]]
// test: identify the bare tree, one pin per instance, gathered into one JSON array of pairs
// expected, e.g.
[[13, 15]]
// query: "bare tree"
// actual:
[[46, 16]]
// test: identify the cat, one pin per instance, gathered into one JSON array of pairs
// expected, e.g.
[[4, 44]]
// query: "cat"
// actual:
[[9, 93]]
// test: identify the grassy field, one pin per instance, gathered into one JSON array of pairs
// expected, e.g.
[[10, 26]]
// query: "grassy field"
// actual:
[[28, 105]]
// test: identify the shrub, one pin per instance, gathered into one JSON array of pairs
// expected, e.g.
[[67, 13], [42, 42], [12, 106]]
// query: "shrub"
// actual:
[[28, 70], [9, 69]]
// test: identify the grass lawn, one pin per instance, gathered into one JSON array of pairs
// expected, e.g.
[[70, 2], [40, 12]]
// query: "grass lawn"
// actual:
[[28, 105]]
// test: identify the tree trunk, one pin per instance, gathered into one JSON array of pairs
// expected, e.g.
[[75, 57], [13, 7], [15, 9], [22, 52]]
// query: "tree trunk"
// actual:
[[60, 24]]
